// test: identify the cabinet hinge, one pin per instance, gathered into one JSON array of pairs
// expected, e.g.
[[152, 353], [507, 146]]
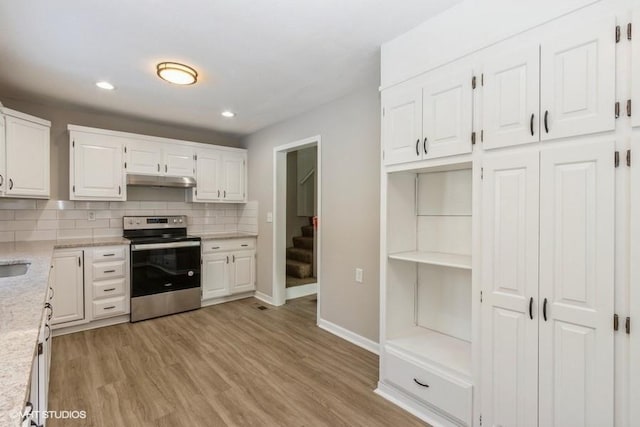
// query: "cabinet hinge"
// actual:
[[627, 325], [616, 159], [40, 349], [480, 296], [74, 188], [473, 82], [629, 31], [125, 165], [482, 79], [628, 108], [481, 173], [616, 110], [480, 419], [73, 144], [195, 157], [617, 33], [473, 138], [125, 149], [629, 158], [196, 191], [616, 322], [481, 135]]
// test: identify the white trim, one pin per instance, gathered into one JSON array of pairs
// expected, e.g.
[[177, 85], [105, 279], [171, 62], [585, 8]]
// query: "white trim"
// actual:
[[350, 336], [263, 297], [301, 291], [220, 300], [95, 324], [28, 117]]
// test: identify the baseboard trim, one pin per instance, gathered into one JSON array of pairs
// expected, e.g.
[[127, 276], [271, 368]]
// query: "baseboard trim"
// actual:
[[301, 291], [264, 297], [220, 300], [101, 323], [350, 336]]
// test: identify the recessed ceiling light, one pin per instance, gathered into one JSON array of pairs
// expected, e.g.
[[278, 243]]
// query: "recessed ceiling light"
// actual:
[[105, 85], [176, 73], [228, 114]]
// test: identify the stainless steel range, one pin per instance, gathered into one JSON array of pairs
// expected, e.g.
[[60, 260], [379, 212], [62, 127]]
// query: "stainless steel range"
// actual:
[[165, 266]]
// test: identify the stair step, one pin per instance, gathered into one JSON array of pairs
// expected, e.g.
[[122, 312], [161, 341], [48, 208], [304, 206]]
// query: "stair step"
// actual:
[[307, 230], [303, 242], [299, 269], [299, 254]]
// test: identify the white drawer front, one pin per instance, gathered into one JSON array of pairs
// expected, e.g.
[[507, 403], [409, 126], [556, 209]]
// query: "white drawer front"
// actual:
[[108, 270], [209, 246], [109, 307], [108, 254], [108, 288], [454, 398]]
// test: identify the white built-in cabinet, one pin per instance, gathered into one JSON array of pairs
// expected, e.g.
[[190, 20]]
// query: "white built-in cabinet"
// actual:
[[67, 281], [102, 159], [24, 155], [633, 31], [228, 267]]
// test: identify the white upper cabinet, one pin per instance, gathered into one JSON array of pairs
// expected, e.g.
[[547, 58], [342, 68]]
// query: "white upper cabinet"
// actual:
[[144, 157], [402, 124], [577, 217], [578, 81], [3, 159], [635, 65], [447, 107], [178, 160], [27, 141], [511, 99], [208, 175], [97, 167], [234, 176]]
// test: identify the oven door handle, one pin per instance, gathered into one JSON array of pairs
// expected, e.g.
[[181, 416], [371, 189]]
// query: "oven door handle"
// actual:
[[151, 246]]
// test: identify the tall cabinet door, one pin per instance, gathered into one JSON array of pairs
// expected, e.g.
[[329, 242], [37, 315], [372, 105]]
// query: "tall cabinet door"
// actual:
[[510, 289], [97, 167], [447, 107], [511, 98], [578, 81], [208, 174], [635, 65], [634, 280], [27, 151], [402, 124], [68, 287], [234, 173], [577, 285]]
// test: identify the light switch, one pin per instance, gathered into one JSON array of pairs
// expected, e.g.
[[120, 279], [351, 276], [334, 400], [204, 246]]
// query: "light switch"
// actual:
[[359, 275], [269, 216]]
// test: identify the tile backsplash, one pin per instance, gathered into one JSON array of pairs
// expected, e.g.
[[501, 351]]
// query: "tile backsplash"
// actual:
[[22, 219]]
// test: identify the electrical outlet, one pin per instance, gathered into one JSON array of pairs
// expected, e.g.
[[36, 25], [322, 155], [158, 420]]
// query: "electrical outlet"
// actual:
[[359, 275], [269, 217], [91, 216]]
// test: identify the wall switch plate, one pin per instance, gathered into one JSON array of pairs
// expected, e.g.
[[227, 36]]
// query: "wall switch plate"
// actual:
[[269, 216], [359, 275], [91, 216]]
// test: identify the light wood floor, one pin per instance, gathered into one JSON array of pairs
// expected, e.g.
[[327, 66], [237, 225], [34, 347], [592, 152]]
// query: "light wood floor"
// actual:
[[230, 364]]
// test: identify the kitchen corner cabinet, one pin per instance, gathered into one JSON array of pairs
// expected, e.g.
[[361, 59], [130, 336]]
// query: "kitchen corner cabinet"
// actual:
[[221, 175], [228, 267], [68, 287], [24, 156], [96, 167]]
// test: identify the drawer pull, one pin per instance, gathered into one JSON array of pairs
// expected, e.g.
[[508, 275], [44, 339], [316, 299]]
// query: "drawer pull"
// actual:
[[108, 254], [420, 384], [215, 247], [110, 289], [244, 245], [109, 271], [111, 307]]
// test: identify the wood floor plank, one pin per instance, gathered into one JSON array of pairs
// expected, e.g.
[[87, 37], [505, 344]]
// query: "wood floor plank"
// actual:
[[225, 365]]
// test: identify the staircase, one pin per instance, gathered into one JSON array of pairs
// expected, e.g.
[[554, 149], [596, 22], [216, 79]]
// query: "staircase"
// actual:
[[300, 258]]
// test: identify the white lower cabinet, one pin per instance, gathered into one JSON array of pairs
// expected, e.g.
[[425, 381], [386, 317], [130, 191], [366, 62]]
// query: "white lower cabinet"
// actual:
[[38, 394], [228, 267], [68, 287]]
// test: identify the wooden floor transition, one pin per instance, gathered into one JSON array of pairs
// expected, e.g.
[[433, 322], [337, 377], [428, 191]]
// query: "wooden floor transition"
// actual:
[[231, 364]]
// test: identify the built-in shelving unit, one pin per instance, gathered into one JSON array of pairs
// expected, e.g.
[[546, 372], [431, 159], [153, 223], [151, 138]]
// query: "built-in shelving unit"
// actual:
[[434, 258]]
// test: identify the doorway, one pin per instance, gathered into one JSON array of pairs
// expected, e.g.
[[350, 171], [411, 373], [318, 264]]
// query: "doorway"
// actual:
[[297, 207]]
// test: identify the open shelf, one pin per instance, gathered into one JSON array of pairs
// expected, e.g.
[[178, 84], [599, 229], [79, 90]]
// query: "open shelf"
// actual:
[[437, 349], [434, 258]]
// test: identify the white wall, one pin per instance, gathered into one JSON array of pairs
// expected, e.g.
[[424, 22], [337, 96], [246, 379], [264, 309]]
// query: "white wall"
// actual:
[[349, 221]]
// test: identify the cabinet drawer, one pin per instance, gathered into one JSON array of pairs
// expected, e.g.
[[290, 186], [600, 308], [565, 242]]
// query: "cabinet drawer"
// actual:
[[108, 270], [450, 396], [109, 307], [108, 254], [108, 288], [210, 246]]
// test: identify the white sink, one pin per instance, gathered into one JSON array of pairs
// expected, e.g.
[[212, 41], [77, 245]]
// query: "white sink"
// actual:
[[11, 269]]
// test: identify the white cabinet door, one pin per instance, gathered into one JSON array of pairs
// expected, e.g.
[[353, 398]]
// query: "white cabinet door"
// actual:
[[68, 287], [634, 279], [98, 172], [511, 98], [144, 157], [178, 160], [635, 67], [510, 289], [447, 107], [242, 275], [3, 159], [578, 82], [233, 173], [402, 124], [27, 158], [215, 275], [577, 189], [208, 175]]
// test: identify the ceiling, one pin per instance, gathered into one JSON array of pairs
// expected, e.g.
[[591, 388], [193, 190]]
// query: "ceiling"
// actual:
[[265, 60]]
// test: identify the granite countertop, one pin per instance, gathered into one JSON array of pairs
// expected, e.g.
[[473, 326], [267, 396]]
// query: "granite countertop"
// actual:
[[22, 301], [219, 236]]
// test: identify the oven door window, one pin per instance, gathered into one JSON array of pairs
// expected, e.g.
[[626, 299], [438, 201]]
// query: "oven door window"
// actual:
[[163, 270]]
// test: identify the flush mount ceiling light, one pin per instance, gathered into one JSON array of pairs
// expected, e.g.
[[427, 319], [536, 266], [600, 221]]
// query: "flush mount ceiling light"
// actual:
[[228, 114], [105, 85], [176, 73]]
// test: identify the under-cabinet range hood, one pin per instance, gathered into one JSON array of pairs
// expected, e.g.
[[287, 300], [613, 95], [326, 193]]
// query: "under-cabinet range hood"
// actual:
[[161, 181]]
